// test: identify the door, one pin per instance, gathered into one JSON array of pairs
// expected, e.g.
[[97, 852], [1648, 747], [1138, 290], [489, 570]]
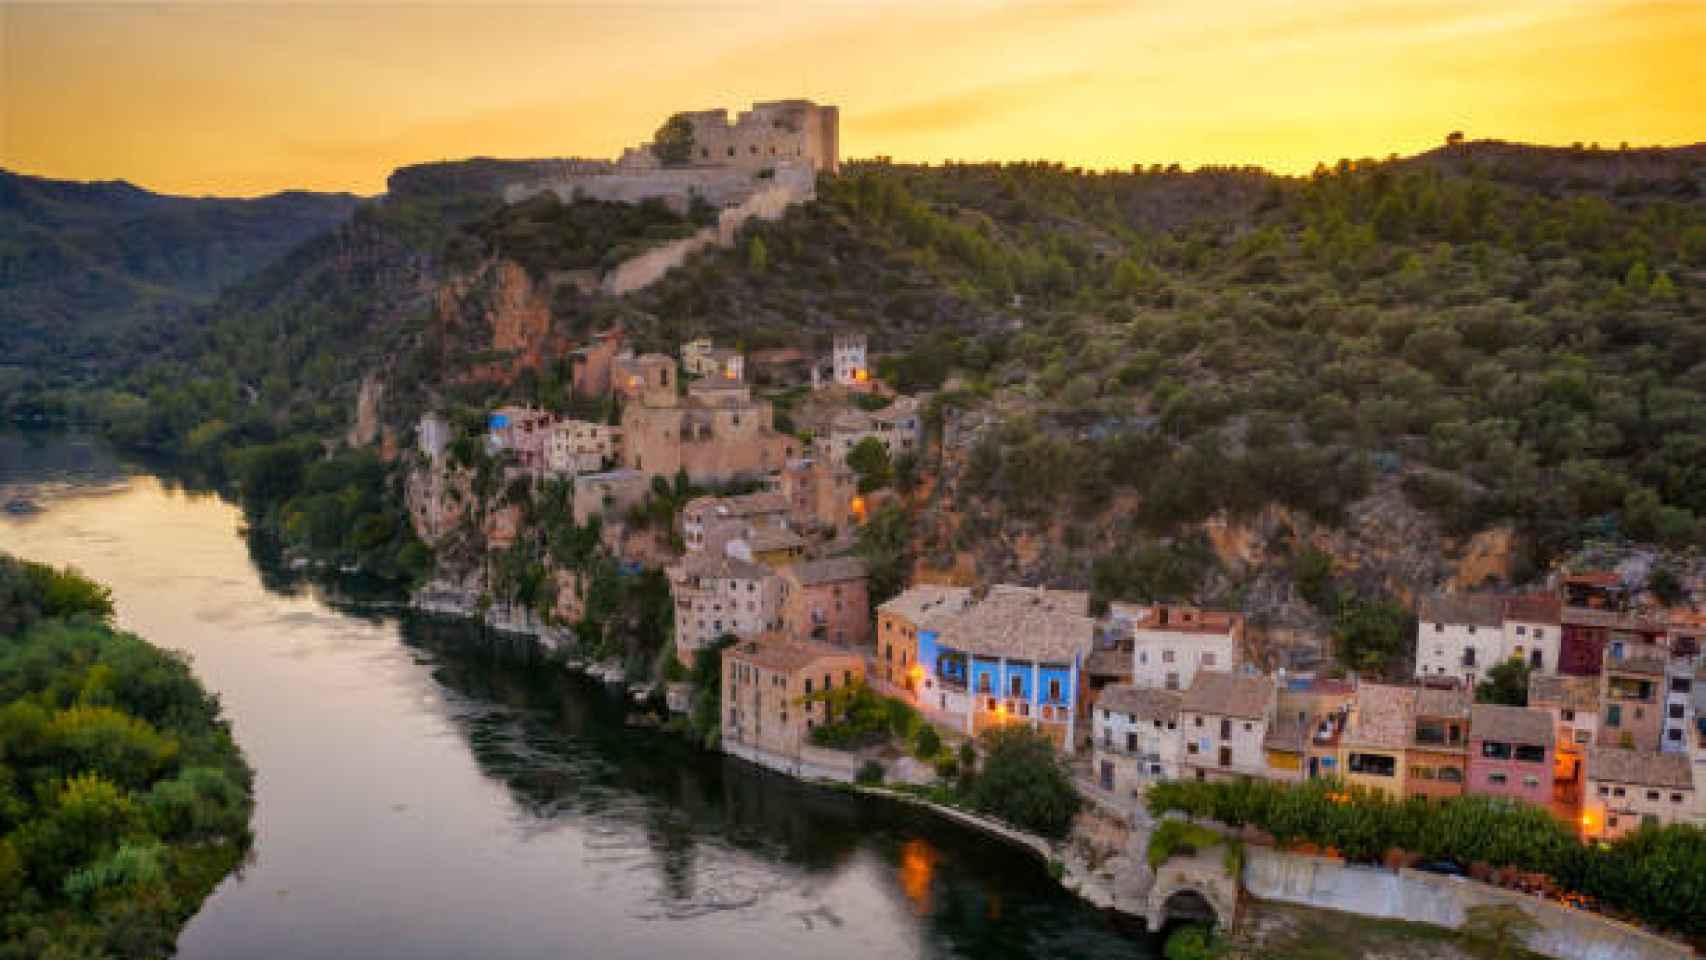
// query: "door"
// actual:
[[1107, 775]]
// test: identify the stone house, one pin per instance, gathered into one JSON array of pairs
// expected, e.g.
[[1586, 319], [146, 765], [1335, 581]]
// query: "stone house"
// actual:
[[774, 546], [1572, 704], [1628, 788], [648, 379], [703, 359], [1224, 719], [767, 681], [1459, 636], [521, 432], [1684, 671], [609, 494], [899, 427], [1631, 682], [826, 601], [1511, 753], [771, 133], [821, 494], [1309, 719], [1587, 633], [1135, 738], [1015, 656], [1406, 741], [590, 366], [716, 432], [1172, 643], [1533, 630], [717, 595], [847, 357], [573, 447], [709, 523]]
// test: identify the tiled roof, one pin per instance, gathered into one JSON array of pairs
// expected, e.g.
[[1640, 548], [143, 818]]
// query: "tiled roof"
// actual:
[[1145, 703], [917, 602], [1382, 716], [1021, 622], [1569, 693], [727, 568], [761, 539], [1534, 608], [742, 506], [1108, 663], [1496, 721], [1479, 610], [834, 569], [1228, 695], [777, 652], [1620, 765], [1287, 733], [1434, 702]]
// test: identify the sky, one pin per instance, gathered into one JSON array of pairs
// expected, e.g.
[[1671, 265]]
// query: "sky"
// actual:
[[242, 98]]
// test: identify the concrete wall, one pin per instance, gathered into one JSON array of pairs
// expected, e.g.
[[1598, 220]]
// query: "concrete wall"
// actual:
[[1443, 901], [814, 763]]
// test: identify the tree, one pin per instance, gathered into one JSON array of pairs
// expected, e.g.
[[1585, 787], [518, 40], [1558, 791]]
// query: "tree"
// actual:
[[1454, 138], [1506, 683], [672, 144], [870, 460], [1371, 635], [1666, 585], [1025, 782], [757, 256], [885, 544]]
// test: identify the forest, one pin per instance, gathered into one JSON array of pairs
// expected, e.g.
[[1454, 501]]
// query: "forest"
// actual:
[[123, 798]]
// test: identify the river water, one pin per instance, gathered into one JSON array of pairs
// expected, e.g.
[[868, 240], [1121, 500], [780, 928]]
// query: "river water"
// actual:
[[425, 791]]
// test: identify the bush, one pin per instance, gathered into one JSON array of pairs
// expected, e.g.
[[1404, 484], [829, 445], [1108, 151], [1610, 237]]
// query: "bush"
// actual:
[[1025, 782], [870, 773], [927, 743], [1193, 942]]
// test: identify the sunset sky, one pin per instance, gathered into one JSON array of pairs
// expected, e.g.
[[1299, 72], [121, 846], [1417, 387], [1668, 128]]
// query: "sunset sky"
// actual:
[[240, 98]]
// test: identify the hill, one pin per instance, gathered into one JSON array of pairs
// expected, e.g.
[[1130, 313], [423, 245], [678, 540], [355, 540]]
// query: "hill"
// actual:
[[95, 275], [1156, 382]]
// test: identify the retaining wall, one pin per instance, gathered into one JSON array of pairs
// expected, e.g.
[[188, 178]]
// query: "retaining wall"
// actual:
[[814, 763], [1444, 901]]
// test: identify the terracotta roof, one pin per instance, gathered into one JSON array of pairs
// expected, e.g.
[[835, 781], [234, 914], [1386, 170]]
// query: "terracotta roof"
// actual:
[[1620, 765], [1287, 734], [1534, 608], [919, 601], [1185, 619], [1434, 702], [1228, 695], [1382, 716], [761, 539], [1479, 610], [1596, 578], [1610, 619], [1569, 693], [778, 652], [727, 568], [1496, 721], [810, 572], [1021, 622], [1145, 703]]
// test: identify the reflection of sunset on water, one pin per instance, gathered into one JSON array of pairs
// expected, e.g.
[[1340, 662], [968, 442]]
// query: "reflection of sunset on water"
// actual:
[[917, 866]]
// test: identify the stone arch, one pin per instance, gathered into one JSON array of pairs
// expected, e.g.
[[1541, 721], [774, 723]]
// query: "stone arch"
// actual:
[[1193, 888]]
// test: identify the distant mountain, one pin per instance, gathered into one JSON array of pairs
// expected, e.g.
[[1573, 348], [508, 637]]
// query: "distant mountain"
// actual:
[[99, 274]]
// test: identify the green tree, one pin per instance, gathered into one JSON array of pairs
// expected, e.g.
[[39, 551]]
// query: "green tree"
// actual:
[[757, 256], [885, 544], [870, 460], [1371, 635], [1506, 683], [1025, 781], [672, 144]]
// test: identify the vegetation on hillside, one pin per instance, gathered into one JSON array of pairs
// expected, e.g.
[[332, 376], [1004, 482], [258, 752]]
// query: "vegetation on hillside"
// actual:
[[123, 799]]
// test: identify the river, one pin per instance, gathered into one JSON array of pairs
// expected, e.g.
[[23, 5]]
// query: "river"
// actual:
[[426, 791]]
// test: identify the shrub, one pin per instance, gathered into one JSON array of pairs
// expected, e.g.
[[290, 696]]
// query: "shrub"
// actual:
[[1025, 782], [927, 743], [870, 773]]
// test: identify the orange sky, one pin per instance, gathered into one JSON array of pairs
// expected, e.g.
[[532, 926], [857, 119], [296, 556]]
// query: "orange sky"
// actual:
[[248, 98]]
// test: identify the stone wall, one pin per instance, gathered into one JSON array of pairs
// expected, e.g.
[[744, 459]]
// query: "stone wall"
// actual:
[[1444, 901], [814, 763]]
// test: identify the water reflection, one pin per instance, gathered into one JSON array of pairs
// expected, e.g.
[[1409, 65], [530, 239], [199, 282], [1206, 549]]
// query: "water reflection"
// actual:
[[428, 790]]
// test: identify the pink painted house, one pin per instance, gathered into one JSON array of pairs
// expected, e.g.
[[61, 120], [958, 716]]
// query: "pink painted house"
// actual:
[[1511, 752]]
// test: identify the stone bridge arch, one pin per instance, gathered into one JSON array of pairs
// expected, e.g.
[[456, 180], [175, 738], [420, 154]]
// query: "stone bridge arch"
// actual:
[[1187, 888]]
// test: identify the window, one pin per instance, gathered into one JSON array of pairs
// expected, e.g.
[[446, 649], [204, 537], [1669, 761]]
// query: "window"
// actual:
[[1531, 782], [1676, 798], [1015, 686], [1054, 693], [1536, 661], [1521, 630], [1604, 790], [1583, 736], [1676, 711], [1131, 741], [808, 685], [1199, 720], [1469, 656], [1653, 795], [1421, 773], [1374, 764], [1614, 715], [1528, 753], [1568, 716], [1166, 656], [1617, 791], [1225, 729], [1439, 628], [1172, 681], [1496, 779], [1471, 629], [1674, 734], [1539, 633], [1680, 685], [1208, 659], [1450, 775], [1494, 750]]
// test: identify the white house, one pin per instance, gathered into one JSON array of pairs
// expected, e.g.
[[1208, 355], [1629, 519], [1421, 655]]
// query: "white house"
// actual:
[[1223, 722], [1627, 788], [717, 595], [848, 356], [1170, 644], [1532, 629], [574, 447], [1136, 738], [1459, 636]]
